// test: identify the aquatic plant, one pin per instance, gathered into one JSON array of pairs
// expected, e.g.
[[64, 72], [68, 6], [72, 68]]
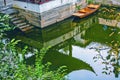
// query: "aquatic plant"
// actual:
[[109, 13]]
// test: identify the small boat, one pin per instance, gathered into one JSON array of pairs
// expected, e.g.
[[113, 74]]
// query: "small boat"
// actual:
[[91, 8]]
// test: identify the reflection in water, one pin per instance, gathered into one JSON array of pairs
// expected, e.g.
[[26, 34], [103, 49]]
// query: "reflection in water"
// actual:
[[86, 47], [87, 54], [71, 62]]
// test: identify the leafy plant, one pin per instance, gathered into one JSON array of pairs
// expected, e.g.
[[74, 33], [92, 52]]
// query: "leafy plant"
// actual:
[[90, 1], [4, 23], [12, 61], [109, 13], [14, 67], [78, 7]]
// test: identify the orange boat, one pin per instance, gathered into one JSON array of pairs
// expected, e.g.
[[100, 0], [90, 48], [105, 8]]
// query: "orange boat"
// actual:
[[87, 10]]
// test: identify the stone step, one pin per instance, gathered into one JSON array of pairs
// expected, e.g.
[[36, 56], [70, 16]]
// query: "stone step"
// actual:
[[27, 28], [12, 16], [9, 11], [16, 18], [24, 26], [21, 24], [17, 21], [2, 8]]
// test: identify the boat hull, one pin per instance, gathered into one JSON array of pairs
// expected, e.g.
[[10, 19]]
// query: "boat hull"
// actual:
[[87, 11]]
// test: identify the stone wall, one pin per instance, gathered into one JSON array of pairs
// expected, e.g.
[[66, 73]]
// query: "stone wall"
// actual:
[[49, 17], [31, 17], [56, 15], [109, 2], [112, 23]]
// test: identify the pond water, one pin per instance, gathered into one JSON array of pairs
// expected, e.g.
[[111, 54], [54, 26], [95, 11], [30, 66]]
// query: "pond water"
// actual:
[[89, 48]]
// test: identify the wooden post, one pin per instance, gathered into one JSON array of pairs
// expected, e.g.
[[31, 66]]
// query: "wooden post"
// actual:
[[5, 2]]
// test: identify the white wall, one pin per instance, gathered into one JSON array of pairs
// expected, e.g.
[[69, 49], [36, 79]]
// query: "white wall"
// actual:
[[8, 2], [50, 5], [26, 6], [54, 4], [43, 7]]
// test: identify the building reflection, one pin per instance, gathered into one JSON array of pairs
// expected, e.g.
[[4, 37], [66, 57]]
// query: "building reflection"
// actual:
[[60, 37], [66, 34]]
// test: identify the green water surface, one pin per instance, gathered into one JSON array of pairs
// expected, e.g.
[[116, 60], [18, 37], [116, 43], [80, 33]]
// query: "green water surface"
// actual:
[[89, 50]]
